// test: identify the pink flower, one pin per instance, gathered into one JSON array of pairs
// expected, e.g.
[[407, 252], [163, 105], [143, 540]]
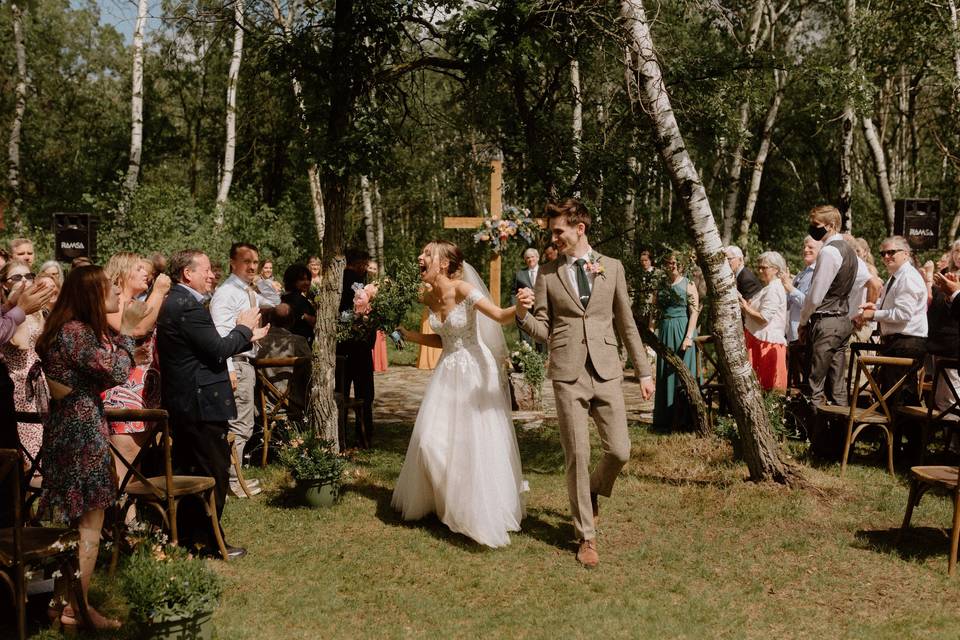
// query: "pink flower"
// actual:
[[362, 299]]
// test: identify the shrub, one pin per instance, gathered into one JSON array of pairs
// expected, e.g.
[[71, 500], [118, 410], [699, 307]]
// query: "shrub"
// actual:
[[163, 582]]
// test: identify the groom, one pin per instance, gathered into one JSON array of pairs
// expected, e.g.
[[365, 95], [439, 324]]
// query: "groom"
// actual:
[[581, 299]]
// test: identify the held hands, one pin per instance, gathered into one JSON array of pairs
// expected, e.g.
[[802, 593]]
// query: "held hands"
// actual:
[[133, 314], [525, 301]]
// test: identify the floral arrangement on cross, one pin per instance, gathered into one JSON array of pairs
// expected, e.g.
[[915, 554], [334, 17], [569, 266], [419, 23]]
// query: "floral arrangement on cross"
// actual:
[[380, 305], [513, 221]]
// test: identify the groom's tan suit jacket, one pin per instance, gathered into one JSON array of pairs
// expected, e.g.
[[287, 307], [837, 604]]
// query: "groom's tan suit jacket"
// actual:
[[574, 332]]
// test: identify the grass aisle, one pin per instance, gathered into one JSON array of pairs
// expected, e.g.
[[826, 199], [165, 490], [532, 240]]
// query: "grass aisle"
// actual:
[[688, 550]]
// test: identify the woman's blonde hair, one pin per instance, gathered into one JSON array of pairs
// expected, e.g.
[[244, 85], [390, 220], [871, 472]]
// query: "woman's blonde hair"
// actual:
[[120, 266], [444, 249]]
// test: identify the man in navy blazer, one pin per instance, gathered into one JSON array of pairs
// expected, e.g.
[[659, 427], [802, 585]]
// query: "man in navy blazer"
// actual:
[[195, 386]]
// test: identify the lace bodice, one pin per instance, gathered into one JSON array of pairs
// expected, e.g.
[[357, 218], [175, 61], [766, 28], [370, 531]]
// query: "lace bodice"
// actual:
[[459, 329]]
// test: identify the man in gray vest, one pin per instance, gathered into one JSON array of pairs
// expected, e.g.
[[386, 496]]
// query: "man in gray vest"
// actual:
[[824, 319]]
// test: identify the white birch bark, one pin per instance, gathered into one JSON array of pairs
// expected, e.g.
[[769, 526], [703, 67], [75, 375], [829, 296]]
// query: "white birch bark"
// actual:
[[366, 198], [378, 218], [760, 449], [136, 107], [880, 166], [233, 80], [847, 124], [577, 121], [20, 108], [630, 202]]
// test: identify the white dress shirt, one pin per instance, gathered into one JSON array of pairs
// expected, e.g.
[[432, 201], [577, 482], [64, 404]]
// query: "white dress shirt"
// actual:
[[573, 270], [771, 302], [232, 297], [858, 294], [829, 262], [533, 275], [903, 306]]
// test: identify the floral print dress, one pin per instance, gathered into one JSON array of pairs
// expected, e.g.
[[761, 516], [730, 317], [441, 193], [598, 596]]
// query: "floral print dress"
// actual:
[[77, 466], [29, 385]]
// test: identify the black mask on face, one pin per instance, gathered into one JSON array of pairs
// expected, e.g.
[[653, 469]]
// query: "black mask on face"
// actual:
[[817, 233]]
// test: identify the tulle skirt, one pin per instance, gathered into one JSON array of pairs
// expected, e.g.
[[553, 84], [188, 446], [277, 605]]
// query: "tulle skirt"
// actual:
[[462, 462]]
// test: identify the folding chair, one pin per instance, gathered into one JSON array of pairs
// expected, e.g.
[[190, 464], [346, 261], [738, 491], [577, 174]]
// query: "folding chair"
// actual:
[[163, 493], [930, 416], [267, 391], [859, 418], [22, 546]]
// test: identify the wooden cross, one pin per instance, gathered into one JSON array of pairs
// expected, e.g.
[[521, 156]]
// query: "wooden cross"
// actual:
[[496, 210]]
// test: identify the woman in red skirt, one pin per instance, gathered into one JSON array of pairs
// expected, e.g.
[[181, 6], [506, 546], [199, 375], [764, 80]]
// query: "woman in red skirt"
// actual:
[[765, 318]]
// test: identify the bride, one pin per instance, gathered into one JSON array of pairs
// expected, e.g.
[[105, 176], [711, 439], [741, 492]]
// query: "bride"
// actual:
[[462, 462]]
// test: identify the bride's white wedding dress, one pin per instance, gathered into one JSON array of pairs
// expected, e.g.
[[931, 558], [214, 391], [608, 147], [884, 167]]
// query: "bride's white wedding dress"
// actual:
[[462, 462]]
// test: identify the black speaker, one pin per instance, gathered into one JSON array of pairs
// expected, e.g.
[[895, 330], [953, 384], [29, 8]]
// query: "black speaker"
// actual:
[[918, 220], [74, 236]]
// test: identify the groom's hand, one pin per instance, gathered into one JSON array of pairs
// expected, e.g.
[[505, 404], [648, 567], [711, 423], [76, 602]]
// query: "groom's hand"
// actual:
[[525, 299], [646, 387]]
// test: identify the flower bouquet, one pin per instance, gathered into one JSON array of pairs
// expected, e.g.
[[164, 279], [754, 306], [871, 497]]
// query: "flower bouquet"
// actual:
[[512, 222], [380, 306]]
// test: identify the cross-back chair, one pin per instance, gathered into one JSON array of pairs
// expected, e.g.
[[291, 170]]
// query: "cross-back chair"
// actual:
[[879, 404], [163, 493], [940, 479], [929, 415], [22, 546], [273, 402], [32, 478], [710, 384]]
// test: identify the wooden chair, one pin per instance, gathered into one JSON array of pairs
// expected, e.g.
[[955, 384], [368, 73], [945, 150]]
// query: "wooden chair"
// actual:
[[163, 493], [940, 479], [346, 403], [879, 410], [32, 479], [237, 466], [267, 391], [22, 546], [929, 415], [710, 385]]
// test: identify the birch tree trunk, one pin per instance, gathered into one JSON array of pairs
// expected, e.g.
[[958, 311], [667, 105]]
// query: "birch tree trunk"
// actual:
[[630, 204], [760, 162], [136, 109], [368, 222], [955, 32], [732, 192], [577, 121], [20, 108], [760, 448], [233, 79], [880, 165], [847, 124], [378, 217]]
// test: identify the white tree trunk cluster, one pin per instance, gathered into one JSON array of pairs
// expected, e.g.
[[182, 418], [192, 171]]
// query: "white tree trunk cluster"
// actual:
[[136, 107], [233, 80], [20, 108]]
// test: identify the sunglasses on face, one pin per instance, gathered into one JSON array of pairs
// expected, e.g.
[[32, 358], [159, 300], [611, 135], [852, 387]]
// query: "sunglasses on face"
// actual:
[[17, 277], [889, 253]]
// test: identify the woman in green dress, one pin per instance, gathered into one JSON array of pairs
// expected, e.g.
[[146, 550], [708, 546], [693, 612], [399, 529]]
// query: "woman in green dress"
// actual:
[[680, 306]]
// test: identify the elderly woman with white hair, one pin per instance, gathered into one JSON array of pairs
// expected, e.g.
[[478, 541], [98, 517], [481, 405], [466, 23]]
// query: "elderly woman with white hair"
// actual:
[[765, 317]]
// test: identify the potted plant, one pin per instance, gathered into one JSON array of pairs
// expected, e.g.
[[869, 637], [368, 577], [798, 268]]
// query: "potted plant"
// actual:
[[526, 381], [171, 594], [316, 467]]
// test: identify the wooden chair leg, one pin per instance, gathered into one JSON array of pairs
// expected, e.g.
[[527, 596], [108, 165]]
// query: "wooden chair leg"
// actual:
[[846, 449], [889, 438], [20, 599], [267, 432], [172, 517], [911, 503], [235, 459], [954, 535], [211, 503]]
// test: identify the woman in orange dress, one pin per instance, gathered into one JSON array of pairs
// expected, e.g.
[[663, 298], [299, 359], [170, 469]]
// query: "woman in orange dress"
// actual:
[[766, 324], [428, 357]]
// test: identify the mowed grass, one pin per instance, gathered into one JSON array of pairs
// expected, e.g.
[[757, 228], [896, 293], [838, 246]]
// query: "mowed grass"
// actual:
[[688, 548]]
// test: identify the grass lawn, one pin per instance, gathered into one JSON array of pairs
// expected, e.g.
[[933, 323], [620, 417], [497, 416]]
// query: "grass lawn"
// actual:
[[688, 550]]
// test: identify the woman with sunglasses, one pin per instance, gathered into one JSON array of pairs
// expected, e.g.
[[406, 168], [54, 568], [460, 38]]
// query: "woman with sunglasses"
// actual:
[[29, 385]]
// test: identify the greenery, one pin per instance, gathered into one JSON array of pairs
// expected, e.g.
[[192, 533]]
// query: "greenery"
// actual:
[[307, 456], [532, 364], [496, 232], [161, 582], [387, 307]]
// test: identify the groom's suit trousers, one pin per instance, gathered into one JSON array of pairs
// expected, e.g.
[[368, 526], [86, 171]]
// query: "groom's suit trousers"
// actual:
[[589, 395]]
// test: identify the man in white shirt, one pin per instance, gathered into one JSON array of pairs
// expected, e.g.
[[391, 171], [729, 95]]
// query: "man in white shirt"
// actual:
[[239, 293], [901, 314], [527, 279]]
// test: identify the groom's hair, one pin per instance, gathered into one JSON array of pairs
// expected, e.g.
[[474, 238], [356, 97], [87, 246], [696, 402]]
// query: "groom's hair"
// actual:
[[572, 211]]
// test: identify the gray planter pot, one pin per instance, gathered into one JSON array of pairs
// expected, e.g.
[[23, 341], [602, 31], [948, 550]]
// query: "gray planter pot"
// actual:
[[196, 627], [315, 493]]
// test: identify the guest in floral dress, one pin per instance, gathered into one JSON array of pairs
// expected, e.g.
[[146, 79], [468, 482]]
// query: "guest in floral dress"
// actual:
[[82, 358], [29, 386], [141, 390]]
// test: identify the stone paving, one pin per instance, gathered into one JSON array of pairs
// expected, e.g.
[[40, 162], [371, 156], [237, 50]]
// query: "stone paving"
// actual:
[[400, 389]]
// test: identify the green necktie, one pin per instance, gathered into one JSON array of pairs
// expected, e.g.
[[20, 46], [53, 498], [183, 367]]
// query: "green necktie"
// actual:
[[582, 283]]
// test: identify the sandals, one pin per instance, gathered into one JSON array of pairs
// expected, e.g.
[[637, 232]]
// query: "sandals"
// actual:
[[69, 619]]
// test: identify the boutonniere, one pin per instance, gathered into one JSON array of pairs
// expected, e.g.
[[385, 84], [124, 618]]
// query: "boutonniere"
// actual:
[[592, 265]]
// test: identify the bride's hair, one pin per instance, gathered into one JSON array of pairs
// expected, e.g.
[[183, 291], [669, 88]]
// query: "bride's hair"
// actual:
[[444, 249]]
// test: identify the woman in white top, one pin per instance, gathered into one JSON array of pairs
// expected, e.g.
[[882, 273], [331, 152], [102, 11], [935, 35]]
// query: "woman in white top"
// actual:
[[766, 324]]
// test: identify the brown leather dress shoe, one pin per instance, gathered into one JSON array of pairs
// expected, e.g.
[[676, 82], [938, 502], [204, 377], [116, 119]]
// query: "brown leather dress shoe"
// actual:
[[587, 554]]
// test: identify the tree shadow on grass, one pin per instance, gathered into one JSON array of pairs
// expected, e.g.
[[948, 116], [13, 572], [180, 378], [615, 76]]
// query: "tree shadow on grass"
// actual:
[[540, 524], [917, 543], [382, 496]]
